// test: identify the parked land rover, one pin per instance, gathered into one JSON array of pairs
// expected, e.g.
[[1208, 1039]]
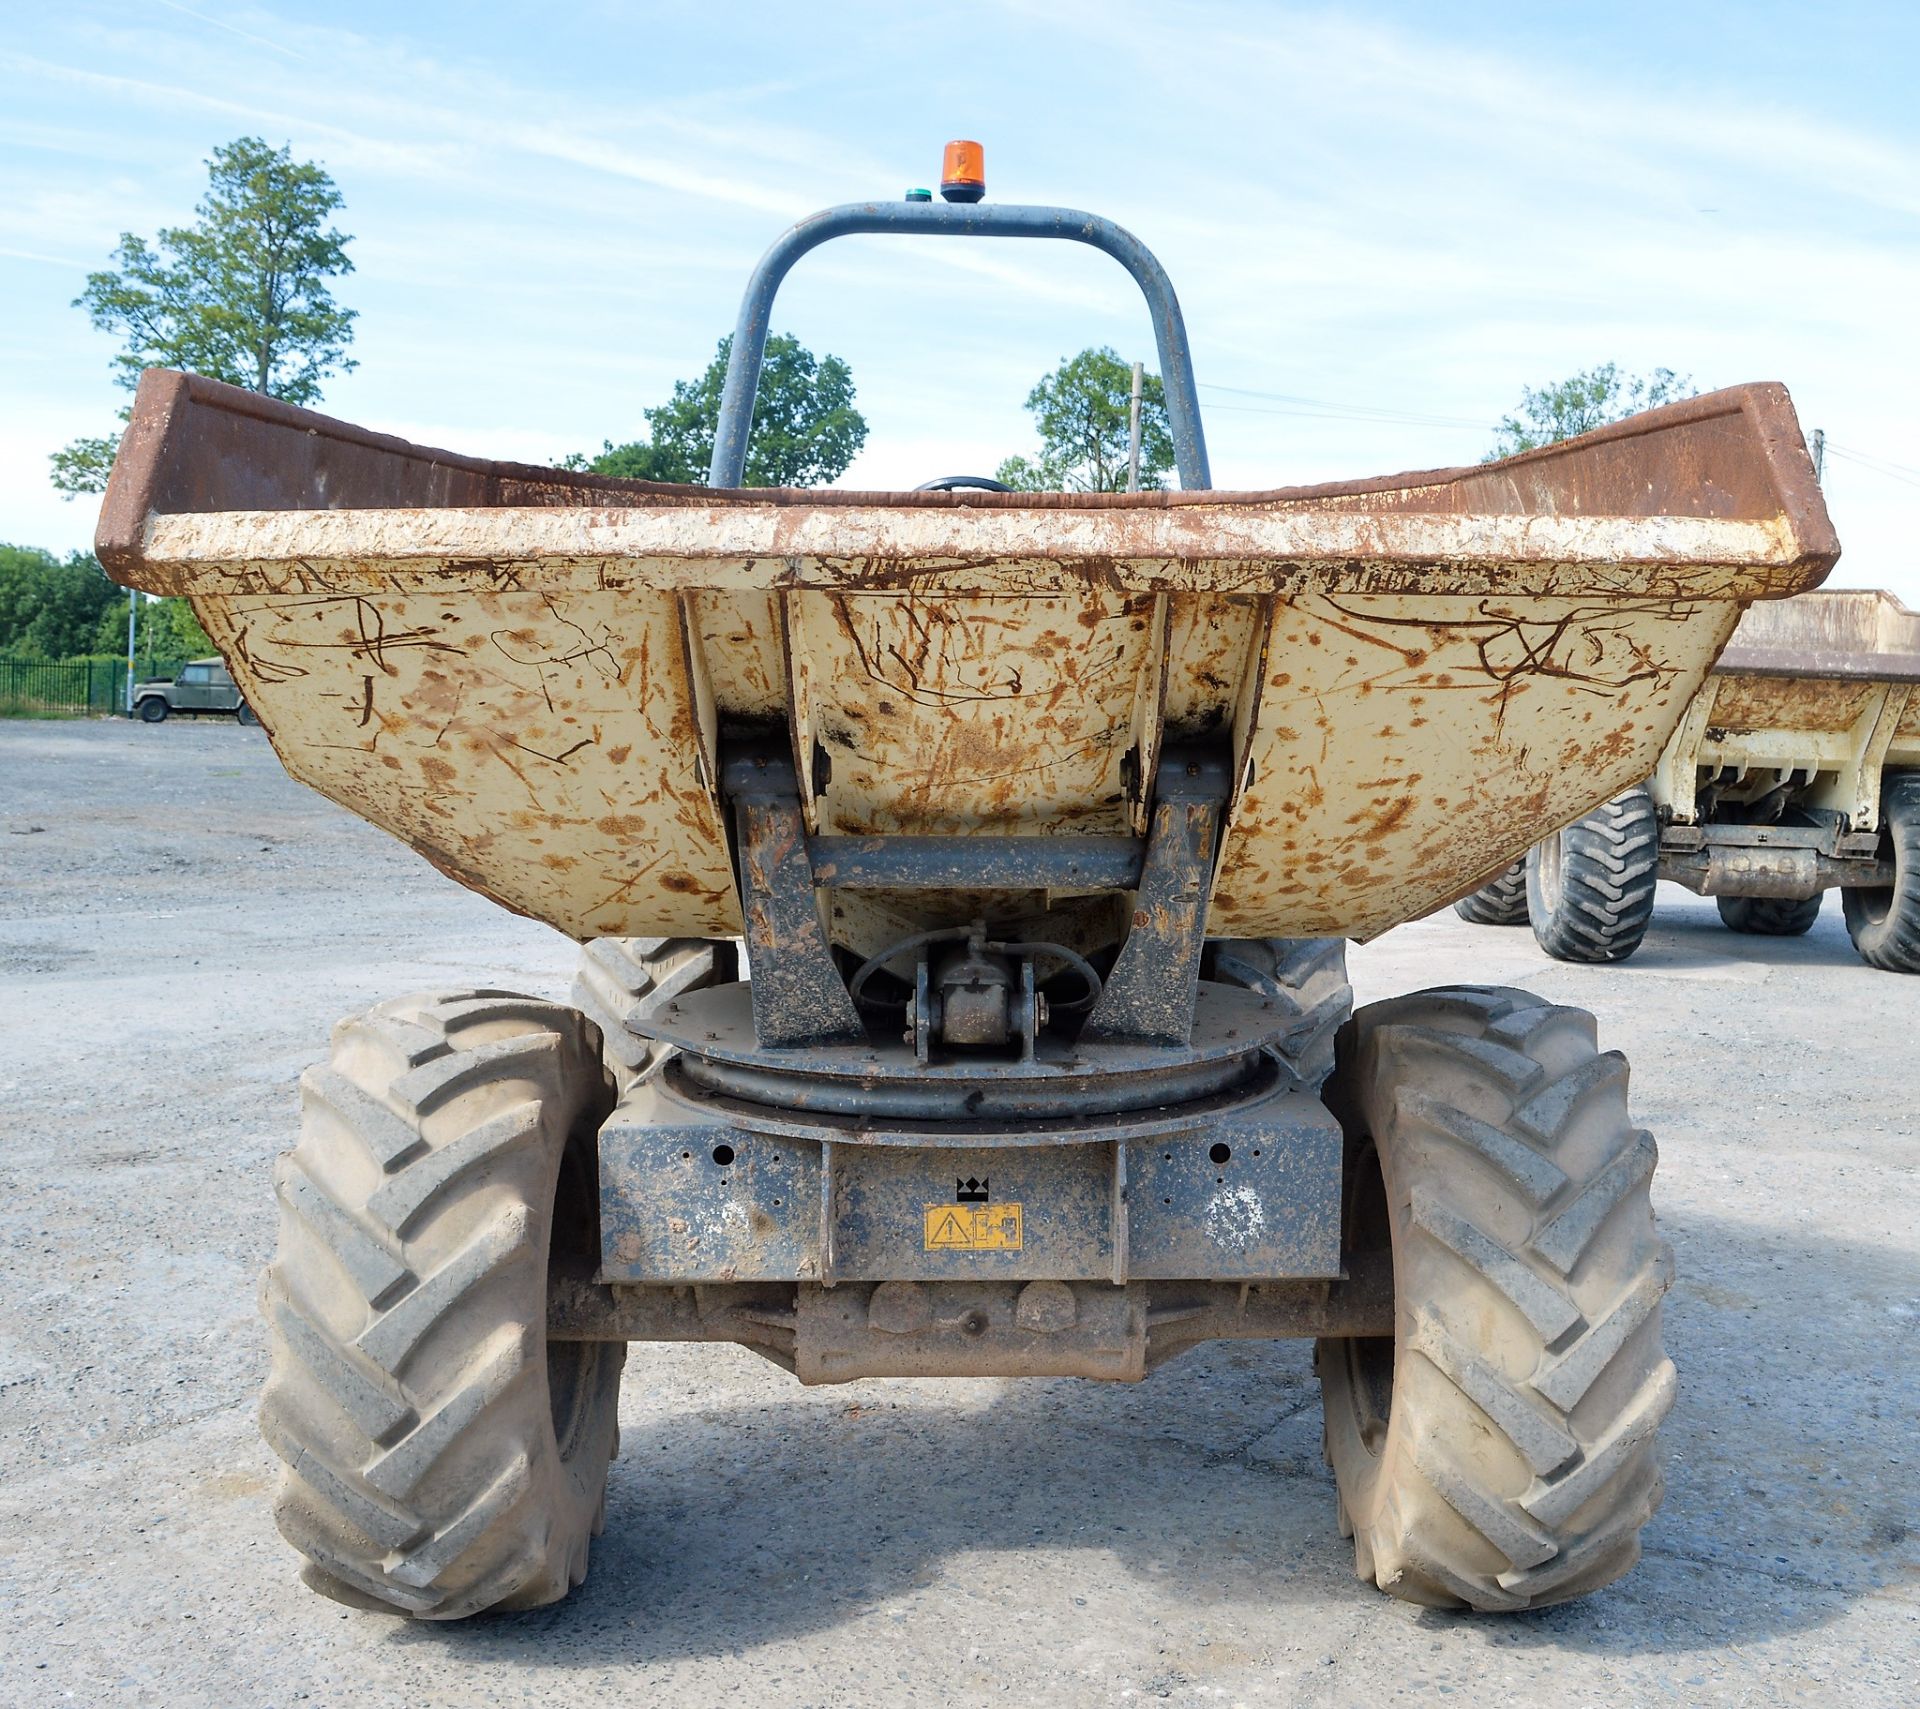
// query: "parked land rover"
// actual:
[[201, 686]]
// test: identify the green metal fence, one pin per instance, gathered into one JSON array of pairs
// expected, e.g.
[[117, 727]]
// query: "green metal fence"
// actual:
[[66, 688]]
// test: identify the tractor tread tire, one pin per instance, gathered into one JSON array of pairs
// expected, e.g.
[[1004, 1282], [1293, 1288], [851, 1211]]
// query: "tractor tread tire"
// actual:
[[1515, 1465], [1305, 979], [440, 1457], [1769, 916], [1502, 902], [1885, 924], [620, 980], [1609, 869]]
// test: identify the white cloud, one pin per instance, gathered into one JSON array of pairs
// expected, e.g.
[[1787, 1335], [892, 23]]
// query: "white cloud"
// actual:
[[1352, 210]]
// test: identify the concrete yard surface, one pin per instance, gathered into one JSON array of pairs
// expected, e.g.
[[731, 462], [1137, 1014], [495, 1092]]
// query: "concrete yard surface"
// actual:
[[180, 925]]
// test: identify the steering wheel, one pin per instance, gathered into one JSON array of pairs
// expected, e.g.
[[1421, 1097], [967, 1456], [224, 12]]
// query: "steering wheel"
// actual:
[[949, 483]]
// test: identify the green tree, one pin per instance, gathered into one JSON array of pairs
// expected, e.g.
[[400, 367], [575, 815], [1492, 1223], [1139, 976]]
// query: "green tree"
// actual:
[[1582, 403], [241, 295], [805, 428], [54, 608], [1083, 410], [168, 631], [635, 461]]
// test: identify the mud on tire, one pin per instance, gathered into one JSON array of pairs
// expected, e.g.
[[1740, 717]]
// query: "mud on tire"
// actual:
[[1304, 978], [623, 979], [1885, 924], [441, 1456], [1498, 1452], [1590, 887], [1502, 902]]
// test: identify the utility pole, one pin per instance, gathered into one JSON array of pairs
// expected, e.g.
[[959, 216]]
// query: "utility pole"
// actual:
[[1133, 435], [1819, 449], [133, 619]]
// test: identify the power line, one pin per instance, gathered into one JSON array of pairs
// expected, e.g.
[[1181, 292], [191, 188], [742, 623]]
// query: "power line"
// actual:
[[1327, 409], [1905, 473], [1359, 412]]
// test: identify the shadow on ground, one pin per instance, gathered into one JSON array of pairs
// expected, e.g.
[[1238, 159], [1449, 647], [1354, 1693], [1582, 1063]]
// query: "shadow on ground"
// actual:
[[1793, 1488]]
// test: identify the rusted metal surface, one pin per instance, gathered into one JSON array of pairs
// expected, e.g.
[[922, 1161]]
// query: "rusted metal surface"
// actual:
[[881, 1090], [1810, 704], [1756, 861], [976, 1328], [1838, 633], [540, 747], [689, 1196], [972, 714], [527, 674]]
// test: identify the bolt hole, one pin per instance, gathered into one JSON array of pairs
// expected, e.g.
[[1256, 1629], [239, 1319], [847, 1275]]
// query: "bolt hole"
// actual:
[[686, 1157], [776, 1156], [1256, 1151], [1219, 1151], [1166, 1157], [1166, 1201], [1219, 1180], [974, 1323], [723, 1154], [776, 1204]]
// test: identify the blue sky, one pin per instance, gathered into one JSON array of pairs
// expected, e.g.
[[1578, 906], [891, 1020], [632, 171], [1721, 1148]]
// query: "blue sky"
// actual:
[[1383, 220]]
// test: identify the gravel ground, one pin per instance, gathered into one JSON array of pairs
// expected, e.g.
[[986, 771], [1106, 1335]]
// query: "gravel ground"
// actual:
[[179, 926]]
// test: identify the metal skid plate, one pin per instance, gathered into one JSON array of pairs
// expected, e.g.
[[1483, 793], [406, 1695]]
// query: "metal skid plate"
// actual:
[[686, 1195]]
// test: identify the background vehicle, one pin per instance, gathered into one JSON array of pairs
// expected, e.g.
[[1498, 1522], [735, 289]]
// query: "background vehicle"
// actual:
[[1796, 770], [203, 685], [1036, 816]]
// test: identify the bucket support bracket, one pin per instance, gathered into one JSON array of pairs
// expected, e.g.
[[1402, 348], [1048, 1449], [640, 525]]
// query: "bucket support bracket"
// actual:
[[1150, 995], [800, 998]]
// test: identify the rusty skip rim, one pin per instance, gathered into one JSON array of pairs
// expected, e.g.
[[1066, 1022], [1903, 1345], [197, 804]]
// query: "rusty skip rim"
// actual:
[[214, 479], [1891, 655]]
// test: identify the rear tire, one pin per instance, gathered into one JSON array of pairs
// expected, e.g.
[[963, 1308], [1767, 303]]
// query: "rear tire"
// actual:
[[1590, 887], [243, 714], [1500, 903], [1769, 916], [1498, 1452], [441, 1455], [1305, 979], [1885, 924], [153, 710], [622, 980]]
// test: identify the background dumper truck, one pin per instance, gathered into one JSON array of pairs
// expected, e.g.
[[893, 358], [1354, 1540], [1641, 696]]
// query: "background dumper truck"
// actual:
[[1795, 771], [1039, 818]]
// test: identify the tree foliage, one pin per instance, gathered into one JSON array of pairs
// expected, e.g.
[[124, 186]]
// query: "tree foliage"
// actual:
[[1580, 404], [168, 630], [1083, 410], [53, 608], [241, 295], [805, 427], [66, 608]]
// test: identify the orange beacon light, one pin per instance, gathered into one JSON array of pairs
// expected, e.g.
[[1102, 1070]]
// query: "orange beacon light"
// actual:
[[963, 172]]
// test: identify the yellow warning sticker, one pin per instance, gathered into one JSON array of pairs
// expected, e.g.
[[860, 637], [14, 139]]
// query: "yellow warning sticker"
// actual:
[[973, 1228]]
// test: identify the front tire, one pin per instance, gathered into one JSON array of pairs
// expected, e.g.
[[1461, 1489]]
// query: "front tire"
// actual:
[[1768, 916], [1501, 902], [1303, 979], [622, 980], [1496, 1453], [441, 1455], [1885, 923], [1590, 887]]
